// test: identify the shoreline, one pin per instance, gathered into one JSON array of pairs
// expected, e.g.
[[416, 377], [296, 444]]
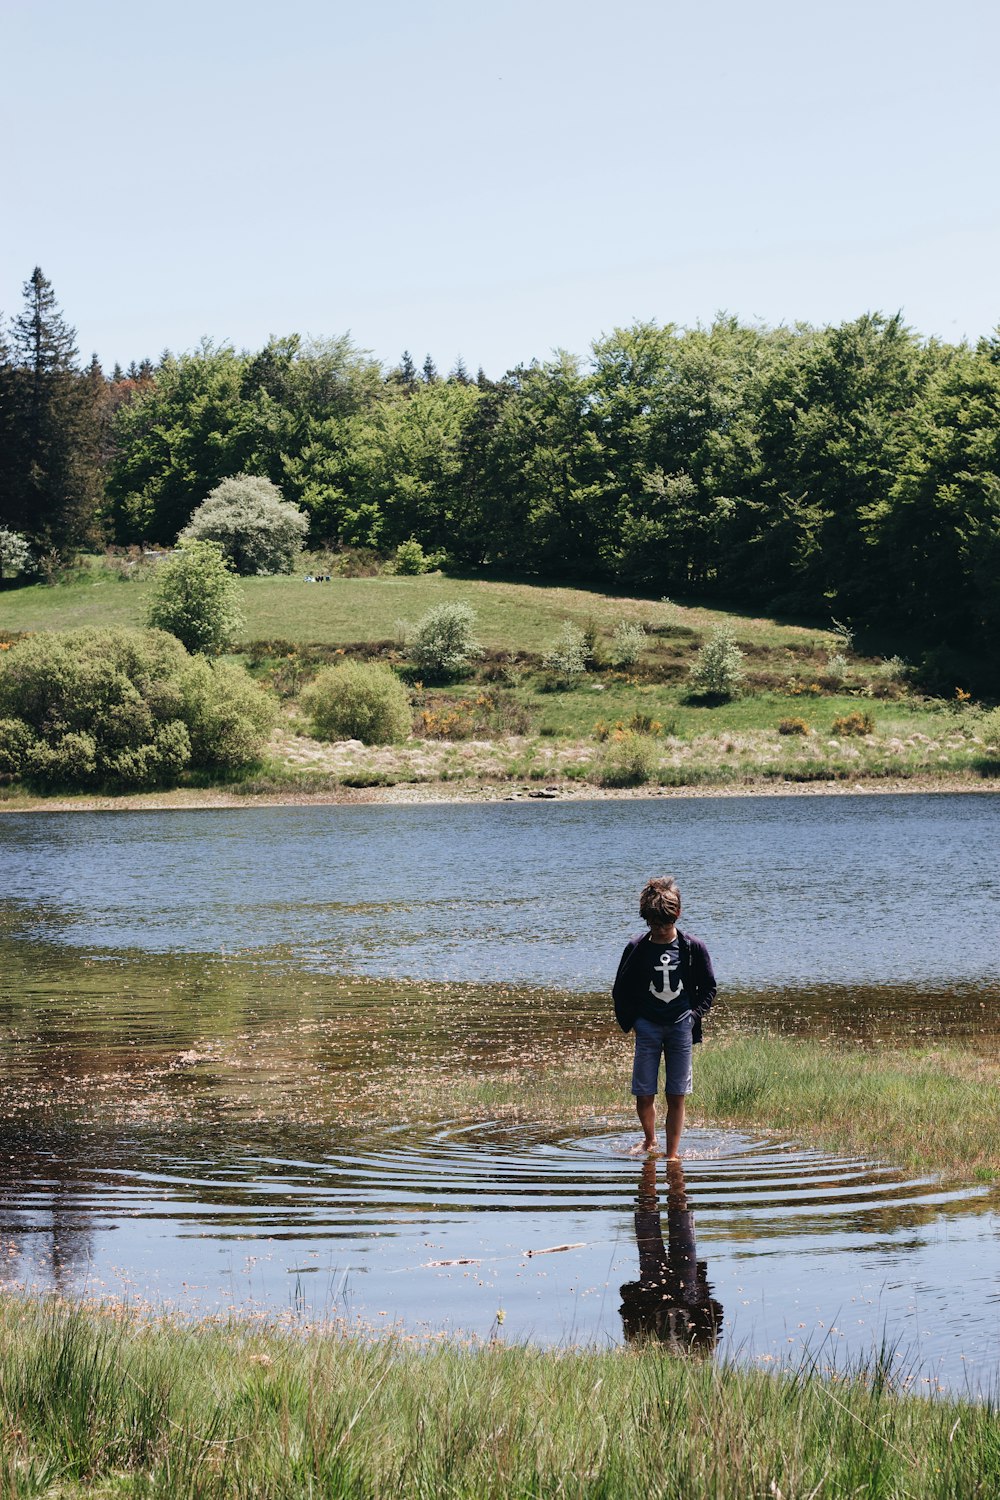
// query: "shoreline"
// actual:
[[220, 798]]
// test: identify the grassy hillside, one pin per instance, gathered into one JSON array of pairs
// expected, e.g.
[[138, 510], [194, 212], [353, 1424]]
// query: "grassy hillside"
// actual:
[[509, 720], [511, 615]]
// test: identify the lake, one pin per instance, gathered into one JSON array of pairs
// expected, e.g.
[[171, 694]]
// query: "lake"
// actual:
[[195, 1006]]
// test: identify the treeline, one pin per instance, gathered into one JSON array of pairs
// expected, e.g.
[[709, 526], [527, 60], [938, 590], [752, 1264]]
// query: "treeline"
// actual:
[[850, 470]]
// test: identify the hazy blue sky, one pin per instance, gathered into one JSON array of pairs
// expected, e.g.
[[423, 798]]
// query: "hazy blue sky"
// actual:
[[496, 180]]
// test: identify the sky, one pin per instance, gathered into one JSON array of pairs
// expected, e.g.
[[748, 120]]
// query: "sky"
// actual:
[[497, 180]]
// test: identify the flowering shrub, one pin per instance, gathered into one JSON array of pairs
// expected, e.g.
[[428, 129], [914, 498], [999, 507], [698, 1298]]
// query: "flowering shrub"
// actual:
[[569, 654], [793, 726], [461, 718], [626, 644], [638, 724], [718, 670], [444, 641], [123, 707], [258, 531], [15, 554], [853, 723]]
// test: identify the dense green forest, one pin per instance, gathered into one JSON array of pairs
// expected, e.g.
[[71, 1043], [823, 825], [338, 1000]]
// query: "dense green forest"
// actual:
[[851, 471]]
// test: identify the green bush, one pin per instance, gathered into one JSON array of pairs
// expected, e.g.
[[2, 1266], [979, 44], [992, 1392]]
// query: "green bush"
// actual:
[[627, 759], [358, 701], [988, 727], [123, 708], [228, 716], [410, 559], [444, 642], [196, 598], [718, 670], [258, 531]]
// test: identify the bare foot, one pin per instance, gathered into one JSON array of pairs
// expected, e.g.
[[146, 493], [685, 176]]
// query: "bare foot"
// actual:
[[645, 1148]]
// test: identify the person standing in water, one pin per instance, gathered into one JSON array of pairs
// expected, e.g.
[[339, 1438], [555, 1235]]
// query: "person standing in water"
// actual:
[[663, 988]]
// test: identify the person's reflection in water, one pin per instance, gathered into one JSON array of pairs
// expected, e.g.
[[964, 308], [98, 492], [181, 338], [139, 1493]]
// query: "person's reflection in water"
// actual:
[[672, 1300]]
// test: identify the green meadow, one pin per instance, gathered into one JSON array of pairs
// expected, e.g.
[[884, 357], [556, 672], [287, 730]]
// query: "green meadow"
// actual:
[[508, 719]]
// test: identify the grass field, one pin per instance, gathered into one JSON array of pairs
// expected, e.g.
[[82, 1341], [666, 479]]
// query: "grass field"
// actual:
[[511, 615], [103, 1405]]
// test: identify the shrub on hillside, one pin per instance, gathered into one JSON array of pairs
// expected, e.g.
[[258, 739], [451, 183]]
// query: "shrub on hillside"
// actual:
[[228, 716], [626, 644], [718, 669], [568, 655], [855, 723], [358, 701], [444, 641], [627, 759], [793, 726], [196, 598], [258, 531], [123, 708], [988, 727], [410, 559], [15, 554]]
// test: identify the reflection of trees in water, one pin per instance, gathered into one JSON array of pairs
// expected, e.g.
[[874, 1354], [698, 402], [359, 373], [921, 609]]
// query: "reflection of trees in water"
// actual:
[[50, 1236], [672, 1300]]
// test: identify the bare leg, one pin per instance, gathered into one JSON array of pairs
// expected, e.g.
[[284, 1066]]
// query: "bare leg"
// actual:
[[675, 1124], [645, 1108]]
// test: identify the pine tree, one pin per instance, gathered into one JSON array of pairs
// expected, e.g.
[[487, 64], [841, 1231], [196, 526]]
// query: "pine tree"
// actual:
[[407, 370], [7, 392], [430, 371], [460, 374], [53, 478]]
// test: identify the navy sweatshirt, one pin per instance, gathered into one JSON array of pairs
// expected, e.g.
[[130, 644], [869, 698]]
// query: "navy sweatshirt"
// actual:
[[631, 981]]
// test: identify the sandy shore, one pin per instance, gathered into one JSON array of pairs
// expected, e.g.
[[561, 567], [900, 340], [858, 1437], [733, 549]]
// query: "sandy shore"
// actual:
[[449, 792]]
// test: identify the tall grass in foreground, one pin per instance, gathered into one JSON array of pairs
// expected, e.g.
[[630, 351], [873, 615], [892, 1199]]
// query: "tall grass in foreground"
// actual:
[[104, 1405]]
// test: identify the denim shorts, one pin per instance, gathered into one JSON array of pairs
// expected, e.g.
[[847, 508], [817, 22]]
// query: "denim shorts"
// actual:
[[673, 1044]]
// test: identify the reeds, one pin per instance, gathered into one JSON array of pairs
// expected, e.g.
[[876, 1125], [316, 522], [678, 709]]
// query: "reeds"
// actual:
[[102, 1404]]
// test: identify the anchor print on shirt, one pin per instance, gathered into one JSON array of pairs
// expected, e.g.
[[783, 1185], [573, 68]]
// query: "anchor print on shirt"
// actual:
[[667, 990]]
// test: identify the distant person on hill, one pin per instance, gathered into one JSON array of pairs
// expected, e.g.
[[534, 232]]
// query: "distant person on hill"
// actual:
[[663, 988]]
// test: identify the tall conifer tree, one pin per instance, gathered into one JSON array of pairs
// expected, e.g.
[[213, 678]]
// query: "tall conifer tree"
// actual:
[[53, 469]]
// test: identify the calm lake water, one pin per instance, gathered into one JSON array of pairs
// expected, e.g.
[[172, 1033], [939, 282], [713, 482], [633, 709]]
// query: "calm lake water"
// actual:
[[179, 992]]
